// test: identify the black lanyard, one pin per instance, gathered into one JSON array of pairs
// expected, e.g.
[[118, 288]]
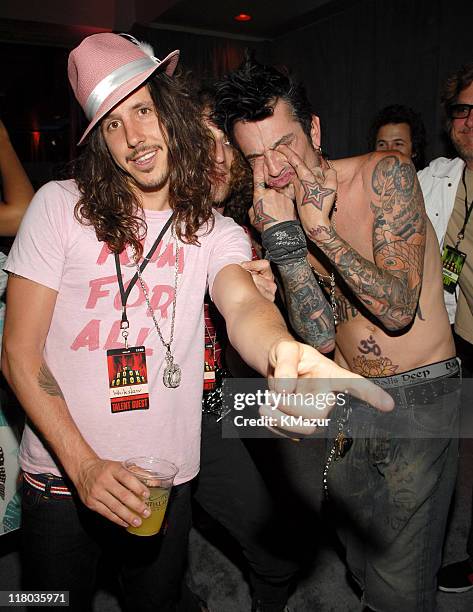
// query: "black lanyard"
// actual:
[[124, 294], [468, 209]]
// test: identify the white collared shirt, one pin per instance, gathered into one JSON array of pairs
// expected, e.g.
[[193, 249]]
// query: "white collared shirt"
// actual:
[[439, 184]]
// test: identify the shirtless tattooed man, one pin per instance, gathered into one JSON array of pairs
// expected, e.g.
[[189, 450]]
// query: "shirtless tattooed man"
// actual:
[[370, 243]]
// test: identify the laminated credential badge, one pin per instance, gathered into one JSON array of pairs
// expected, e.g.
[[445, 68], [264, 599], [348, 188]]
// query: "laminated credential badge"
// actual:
[[128, 379], [452, 262]]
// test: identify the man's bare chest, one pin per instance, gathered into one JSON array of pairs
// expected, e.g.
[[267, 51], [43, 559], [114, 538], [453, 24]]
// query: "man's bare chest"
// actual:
[[352, 220]]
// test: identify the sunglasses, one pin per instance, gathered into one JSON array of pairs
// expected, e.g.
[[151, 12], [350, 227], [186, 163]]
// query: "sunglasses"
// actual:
[[460, 111]]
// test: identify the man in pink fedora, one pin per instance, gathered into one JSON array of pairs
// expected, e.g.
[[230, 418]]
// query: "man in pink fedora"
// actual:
[[107, 281]]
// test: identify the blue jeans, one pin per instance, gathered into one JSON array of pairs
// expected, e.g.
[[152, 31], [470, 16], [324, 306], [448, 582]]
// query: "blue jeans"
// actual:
[[63, 541], [391, 492]]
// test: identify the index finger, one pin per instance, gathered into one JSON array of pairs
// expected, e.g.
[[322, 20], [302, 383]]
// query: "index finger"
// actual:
[[259, 184], [284, 359], [368, 392], [258, 265], [132, 483], [302, 170], [315, 367]]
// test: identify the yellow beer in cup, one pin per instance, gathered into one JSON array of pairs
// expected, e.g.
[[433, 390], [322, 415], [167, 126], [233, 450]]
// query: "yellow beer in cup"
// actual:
[[158, 475]]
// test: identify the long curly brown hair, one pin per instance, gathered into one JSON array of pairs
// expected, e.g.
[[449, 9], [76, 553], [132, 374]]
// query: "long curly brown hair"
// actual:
[[240, 196], [240, 193], [109, 204]]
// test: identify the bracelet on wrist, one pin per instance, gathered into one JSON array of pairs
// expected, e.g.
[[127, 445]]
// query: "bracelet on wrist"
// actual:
[[285, 242]]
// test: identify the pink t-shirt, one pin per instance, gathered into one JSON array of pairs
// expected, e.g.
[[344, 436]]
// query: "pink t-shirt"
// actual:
[[52, 248]]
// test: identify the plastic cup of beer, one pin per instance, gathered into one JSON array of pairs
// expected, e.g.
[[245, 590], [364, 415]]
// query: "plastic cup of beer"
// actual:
[[158, 475]]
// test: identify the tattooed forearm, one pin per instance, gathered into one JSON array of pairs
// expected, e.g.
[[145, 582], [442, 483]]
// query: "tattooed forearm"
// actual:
[[390, 286], [389, 298], [310, 313], [47, 382]]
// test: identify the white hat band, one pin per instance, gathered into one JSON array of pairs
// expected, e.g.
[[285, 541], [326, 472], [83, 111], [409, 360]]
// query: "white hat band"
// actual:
[[119, 76]]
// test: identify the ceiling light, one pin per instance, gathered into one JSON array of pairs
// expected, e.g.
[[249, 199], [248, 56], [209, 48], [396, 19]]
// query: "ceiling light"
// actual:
[[242, 17]]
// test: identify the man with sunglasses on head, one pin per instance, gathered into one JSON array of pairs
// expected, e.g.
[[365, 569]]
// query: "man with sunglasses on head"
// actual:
[[447, 185]]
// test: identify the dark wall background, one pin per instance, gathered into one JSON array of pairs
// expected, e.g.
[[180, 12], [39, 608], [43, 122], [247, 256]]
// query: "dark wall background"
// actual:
[[35, 106], [377, 52], [357, 56], [206, 56]]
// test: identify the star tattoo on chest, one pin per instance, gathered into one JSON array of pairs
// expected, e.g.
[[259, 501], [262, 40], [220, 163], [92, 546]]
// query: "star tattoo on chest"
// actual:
[[315, 194]]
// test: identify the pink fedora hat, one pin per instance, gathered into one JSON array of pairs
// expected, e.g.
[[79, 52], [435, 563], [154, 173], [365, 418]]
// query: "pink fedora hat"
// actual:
[[106, 67]]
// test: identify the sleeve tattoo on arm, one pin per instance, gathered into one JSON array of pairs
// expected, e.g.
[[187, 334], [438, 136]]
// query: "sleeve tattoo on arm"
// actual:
[[390, 287], [310, 313], [398, 243], [47, 382]]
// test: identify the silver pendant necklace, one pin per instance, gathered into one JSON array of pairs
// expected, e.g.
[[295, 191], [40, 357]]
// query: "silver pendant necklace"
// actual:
[[172, 374], [332, 285]]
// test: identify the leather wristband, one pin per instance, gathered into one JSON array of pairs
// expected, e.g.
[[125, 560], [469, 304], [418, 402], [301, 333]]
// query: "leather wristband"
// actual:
[[285, 242]]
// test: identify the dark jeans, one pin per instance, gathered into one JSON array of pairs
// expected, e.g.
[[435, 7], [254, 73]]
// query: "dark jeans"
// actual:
[[63, 541], [392, 491], [232, 491]]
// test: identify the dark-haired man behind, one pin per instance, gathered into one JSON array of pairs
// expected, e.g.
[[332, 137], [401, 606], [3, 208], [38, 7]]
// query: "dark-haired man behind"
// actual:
[[399, 128], [371, 243], [230, 486]]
